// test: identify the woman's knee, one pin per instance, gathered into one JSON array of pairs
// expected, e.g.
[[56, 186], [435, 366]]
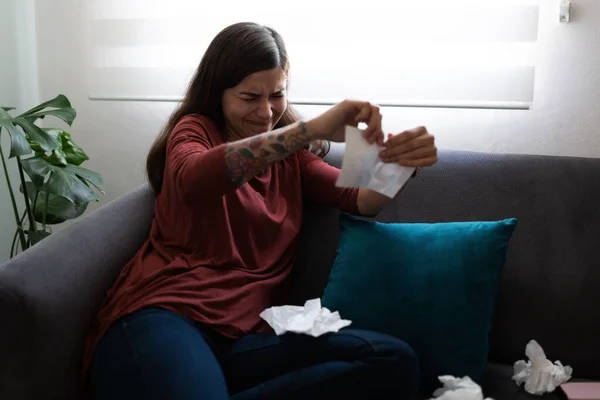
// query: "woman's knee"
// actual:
[[404, 360], [394, 360], [155, 354]]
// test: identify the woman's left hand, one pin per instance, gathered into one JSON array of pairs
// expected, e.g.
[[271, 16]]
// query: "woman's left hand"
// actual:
[[412, 148]]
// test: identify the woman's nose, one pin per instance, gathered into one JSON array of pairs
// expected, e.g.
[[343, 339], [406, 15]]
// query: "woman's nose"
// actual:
[[265, 110]]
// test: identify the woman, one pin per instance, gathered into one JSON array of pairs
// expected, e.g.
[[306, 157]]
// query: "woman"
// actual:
[[230, 169]]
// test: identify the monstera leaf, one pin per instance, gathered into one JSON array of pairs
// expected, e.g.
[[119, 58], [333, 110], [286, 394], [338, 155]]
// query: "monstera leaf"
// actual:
[[68, 152], [58, 107], [57, 208], [71, 181], [20, 143], [36, 134], [19, 146]]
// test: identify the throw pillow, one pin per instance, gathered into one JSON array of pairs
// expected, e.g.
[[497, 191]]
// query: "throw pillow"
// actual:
[[431, 285]]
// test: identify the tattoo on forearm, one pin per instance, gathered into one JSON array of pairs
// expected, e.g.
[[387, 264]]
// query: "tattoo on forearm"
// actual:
[[249, 157]]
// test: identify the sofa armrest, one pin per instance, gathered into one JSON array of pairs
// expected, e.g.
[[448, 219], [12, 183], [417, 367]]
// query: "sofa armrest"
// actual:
[[50, 293]]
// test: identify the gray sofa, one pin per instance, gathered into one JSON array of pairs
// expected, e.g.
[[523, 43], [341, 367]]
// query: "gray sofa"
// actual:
[[550, 287]]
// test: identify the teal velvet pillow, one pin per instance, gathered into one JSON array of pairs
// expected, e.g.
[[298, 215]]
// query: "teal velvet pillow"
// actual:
[[431, 285]]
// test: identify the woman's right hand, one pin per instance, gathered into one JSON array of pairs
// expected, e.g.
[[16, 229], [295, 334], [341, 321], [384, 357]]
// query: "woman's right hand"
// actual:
[[331, 124]]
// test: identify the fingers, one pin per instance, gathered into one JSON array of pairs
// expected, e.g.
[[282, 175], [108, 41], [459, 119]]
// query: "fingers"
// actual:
[[415, 147], [422, 162], [420, 153], [422, 142], [374, 133], [362, 112], [405, 137], [371, 115]]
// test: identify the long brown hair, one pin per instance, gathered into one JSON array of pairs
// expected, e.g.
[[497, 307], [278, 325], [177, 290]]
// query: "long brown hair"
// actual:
[[236, 52]]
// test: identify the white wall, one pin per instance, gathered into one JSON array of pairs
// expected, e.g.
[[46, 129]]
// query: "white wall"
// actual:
[[565, 119], [18, 88]]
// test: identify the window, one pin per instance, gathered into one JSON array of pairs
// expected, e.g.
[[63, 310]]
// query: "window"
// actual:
[[421, 53]]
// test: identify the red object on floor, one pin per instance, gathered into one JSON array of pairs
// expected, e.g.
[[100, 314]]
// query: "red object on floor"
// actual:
[[582, 390]]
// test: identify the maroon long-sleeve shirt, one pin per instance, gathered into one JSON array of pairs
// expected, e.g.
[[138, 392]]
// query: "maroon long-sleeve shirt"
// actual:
[[218, 254]]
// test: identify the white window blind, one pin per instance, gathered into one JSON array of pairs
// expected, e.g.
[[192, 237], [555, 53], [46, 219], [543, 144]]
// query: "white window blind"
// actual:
[[396, 53]]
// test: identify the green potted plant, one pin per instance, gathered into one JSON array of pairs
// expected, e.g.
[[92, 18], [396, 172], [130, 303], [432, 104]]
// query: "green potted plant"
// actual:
[[58, 188]]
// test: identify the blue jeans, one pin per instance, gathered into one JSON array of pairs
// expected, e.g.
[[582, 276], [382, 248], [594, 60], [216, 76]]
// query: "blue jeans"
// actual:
[[157, 354]]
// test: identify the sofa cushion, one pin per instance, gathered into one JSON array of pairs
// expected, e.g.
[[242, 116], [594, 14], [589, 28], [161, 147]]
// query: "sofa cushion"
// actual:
[[432, 285]]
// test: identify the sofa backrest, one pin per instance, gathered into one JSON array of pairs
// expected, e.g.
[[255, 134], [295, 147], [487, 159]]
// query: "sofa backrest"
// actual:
[[550, 286]]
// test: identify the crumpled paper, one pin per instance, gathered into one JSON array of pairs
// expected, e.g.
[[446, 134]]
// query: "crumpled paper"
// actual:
[[458, 389], [362, 167], [311, 319], [539, 374]]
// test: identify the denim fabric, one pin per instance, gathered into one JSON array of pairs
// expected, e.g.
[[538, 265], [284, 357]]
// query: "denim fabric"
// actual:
[[156, 354]]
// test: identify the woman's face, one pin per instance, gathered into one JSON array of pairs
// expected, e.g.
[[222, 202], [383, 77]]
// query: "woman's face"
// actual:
[[256, 104]]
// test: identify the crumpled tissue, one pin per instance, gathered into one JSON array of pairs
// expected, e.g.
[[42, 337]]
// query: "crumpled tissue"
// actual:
[[539, 374], [362, 167], [458, 389], [312, 319]]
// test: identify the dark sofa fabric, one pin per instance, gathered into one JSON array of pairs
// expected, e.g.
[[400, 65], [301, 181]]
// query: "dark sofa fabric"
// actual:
[[548, 291]]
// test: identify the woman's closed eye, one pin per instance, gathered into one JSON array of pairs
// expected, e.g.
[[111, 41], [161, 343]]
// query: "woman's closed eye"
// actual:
[[253, 98]]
